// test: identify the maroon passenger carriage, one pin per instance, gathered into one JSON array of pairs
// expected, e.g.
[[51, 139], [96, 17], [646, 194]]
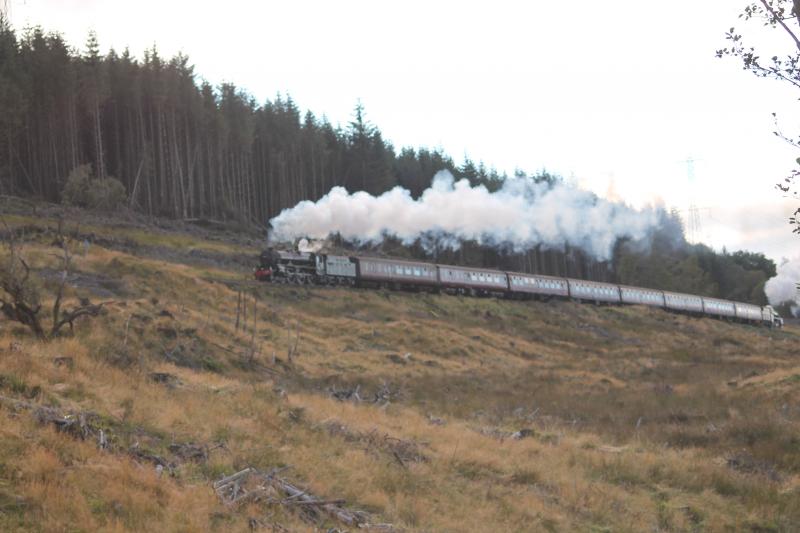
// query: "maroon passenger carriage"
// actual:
[[396, 273], [536, 285], [475, 281]]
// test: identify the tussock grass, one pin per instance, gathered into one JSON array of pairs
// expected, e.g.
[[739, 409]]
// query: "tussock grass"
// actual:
[[639, 419]]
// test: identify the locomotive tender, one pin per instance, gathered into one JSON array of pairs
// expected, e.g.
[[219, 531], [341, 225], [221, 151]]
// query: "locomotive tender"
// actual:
[[327, 269]]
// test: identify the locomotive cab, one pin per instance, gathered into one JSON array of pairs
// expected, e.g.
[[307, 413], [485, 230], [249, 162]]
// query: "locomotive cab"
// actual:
[[267, 264]]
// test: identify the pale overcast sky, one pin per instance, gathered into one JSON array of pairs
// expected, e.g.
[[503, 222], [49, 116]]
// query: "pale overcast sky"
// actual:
[[611, 94]]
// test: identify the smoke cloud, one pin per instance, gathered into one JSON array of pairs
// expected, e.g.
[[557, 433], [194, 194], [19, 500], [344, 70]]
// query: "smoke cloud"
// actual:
[[521, 215], [783, 287]]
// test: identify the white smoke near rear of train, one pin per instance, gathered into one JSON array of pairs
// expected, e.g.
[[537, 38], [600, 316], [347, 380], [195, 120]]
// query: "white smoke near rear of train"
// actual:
[[783, 287], [521, 215]]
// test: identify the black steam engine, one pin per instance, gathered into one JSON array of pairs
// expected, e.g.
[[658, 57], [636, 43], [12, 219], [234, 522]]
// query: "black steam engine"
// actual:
[[305, 268]]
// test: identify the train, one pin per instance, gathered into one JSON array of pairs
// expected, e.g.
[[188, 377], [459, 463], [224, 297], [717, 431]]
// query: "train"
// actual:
[[311, 268]]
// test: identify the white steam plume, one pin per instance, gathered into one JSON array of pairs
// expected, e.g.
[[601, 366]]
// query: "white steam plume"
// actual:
[[783, 287], [522, 215]]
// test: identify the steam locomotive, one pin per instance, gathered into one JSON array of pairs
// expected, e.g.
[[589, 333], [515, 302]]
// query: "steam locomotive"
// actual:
[[297, 267]]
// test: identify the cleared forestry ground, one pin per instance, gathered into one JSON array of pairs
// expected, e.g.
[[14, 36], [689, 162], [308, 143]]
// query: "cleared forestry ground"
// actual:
[[631, 418]]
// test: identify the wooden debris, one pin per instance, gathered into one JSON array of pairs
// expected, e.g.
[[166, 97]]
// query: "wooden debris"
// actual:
[[400, 450], [383, 395], [251, 485], [86, 425], [159, 462], [256, 524], [190, 452]]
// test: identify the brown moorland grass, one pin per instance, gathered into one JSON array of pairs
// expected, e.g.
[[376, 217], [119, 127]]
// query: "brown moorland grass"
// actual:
[[638, 419]]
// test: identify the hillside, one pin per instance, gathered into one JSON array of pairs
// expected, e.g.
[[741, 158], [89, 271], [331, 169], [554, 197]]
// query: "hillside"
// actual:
[[427, 412]]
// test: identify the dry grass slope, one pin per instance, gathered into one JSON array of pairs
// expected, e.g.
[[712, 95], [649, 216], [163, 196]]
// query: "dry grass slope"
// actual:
[[634, 419]]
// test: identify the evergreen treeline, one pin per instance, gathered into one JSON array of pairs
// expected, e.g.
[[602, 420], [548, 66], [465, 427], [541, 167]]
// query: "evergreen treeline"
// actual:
[[184, 149], [181, 147]]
